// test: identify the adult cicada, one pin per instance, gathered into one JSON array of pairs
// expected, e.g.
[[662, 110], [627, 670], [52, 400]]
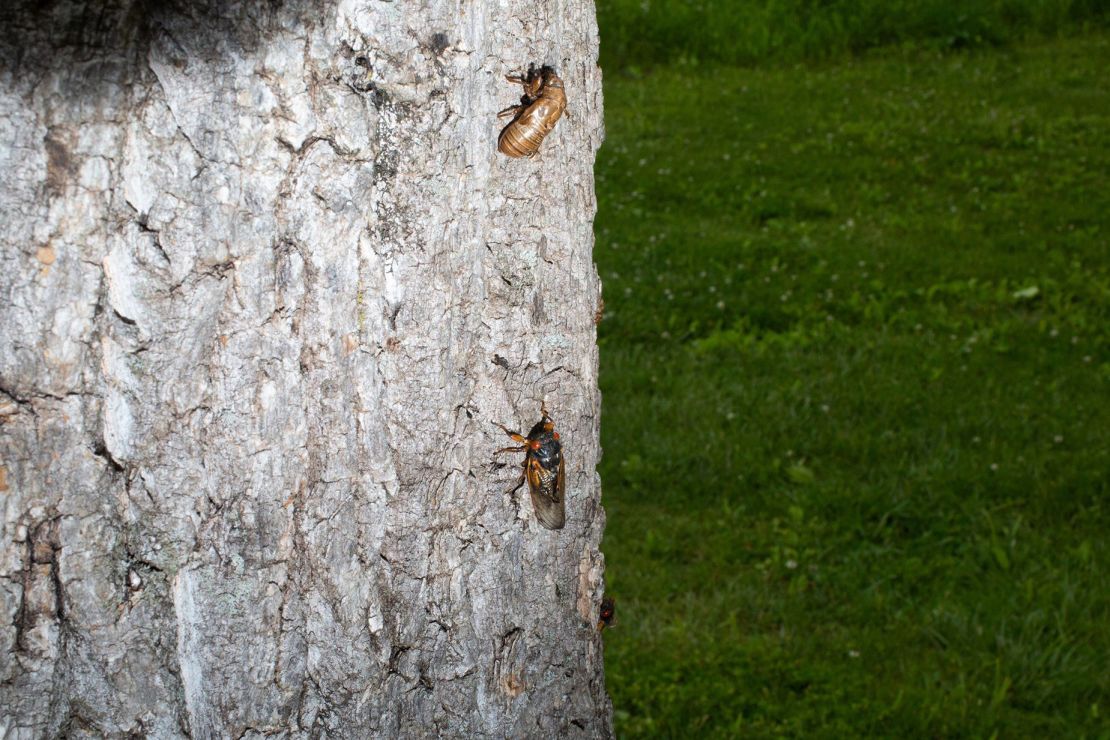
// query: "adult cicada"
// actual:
[[607, 614], [540, 107], [544, 469]]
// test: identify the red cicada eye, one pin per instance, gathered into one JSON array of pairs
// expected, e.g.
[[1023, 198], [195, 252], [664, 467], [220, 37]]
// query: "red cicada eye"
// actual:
[[535, 445], [556, 435]]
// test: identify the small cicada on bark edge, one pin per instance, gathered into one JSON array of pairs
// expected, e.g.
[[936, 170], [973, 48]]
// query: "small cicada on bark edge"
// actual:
[[607, 613], [540, 107], [544, 470]]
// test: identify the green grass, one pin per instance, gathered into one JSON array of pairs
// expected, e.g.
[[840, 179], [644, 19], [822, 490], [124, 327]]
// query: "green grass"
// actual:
[[649, 32], [856, 378]]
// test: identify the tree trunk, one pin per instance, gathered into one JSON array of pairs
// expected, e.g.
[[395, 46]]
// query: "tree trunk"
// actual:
[[266, 285]]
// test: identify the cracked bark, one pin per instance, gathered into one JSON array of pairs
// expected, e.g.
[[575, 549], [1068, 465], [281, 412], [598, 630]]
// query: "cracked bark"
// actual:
[[265, 285]]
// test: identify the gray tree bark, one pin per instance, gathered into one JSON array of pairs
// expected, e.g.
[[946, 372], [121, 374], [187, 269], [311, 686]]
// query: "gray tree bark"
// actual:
[[265, 286]]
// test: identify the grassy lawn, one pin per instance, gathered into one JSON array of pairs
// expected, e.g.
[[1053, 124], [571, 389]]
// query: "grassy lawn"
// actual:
[[753, 31], [856, 377]]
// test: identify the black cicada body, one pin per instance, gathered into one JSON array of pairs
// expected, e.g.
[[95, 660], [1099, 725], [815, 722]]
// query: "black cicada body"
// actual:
[[544, 470]]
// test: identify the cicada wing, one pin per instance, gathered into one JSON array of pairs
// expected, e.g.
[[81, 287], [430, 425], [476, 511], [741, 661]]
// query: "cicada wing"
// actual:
[[561, 483], [547, 491], [534, 472]]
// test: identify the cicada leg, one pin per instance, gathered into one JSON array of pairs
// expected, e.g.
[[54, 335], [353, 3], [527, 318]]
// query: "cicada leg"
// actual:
[[524, 446], [511, 111], [516, 437]]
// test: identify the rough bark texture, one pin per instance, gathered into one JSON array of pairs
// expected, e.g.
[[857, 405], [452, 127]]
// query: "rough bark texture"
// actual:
[[265, 285]]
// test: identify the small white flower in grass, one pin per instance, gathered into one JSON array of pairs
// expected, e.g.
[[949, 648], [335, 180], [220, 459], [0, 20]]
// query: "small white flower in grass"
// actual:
[[1086, 358], [730, 415], [1075, 340], [1054, 333], [1058, 438], [643, 162], [720, 305], [825, 407], [994, 467], [975, 439], [791, 564], [665, 335], [628, 291], [853, 653], [712, 288]]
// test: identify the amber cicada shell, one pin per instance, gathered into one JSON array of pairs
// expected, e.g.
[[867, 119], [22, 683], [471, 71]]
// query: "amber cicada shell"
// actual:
[[544, 470], [540, 108]]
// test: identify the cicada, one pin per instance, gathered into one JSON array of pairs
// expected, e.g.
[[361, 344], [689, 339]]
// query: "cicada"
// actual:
[[607, 613], [540, 107], [544, 469]]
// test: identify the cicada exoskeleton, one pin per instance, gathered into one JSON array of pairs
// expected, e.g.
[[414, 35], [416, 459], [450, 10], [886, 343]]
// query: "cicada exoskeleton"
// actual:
[[541, 106]]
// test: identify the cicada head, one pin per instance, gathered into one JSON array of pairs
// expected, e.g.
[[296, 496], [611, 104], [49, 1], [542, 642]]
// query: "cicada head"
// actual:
[[550, 79]]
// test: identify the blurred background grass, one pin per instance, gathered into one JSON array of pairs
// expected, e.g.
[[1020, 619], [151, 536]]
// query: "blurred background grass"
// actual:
[[856, 368], [647, 32]]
